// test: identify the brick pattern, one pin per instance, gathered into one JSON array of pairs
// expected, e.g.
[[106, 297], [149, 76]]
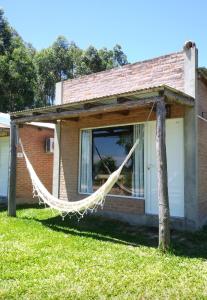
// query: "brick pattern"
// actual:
[[202, 152], [33, 139], [168, 70], [69, 169]]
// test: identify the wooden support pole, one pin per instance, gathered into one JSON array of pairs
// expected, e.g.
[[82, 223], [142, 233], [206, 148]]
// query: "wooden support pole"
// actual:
[[12, 171], [163, 199]]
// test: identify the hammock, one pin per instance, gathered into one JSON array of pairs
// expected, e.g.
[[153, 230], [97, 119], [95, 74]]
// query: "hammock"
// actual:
[[81, 207]]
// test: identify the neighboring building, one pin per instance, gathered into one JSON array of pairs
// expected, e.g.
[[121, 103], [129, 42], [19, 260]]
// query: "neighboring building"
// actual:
[[34, 138], [4, 155], [99, 116]]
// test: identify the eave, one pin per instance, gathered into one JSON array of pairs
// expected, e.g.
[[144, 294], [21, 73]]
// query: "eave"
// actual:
[[110, 103]]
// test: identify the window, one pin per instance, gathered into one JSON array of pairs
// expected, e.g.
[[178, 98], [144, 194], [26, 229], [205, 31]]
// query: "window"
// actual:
[[102, 152]]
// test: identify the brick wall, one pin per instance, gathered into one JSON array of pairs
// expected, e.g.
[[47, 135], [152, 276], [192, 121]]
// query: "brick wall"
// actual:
[[202, 153], [70, 134], [33, 139], [168, 70]]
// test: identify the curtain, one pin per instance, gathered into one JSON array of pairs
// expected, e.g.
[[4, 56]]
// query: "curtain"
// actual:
[[86, 162], [138, 166]]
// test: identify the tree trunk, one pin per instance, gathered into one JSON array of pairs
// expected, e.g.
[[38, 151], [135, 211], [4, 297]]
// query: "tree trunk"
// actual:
[[163, 199], [12, 172]]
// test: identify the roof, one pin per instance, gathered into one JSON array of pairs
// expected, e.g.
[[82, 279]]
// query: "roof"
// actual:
[[115, 102], [163, 70], [5, 122]]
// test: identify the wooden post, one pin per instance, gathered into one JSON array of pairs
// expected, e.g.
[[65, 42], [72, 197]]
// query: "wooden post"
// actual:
[[12, 171], [163, 199]]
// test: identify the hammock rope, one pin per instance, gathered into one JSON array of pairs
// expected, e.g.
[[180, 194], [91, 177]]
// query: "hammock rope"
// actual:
[[80, 207]]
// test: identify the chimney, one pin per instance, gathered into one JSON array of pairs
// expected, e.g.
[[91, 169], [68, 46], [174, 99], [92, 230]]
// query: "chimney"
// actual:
[[190, 68]]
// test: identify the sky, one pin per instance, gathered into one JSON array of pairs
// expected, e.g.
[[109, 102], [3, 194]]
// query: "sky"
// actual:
[[144, 29]]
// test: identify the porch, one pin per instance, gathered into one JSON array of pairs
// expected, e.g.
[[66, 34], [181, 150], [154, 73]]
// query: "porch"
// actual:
[[116, 111]]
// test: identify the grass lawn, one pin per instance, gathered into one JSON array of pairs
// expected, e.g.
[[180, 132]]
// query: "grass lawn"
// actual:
[[43, 257]]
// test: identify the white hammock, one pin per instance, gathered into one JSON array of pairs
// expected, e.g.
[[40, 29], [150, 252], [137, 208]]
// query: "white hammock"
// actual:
[[80, 207]]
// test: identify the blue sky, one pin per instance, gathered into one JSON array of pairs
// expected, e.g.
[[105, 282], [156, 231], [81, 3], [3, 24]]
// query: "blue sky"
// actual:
[[144, 29]]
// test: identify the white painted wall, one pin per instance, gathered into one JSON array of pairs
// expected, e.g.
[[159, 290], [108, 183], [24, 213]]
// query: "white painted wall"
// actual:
[[4, 165], [175, 164]]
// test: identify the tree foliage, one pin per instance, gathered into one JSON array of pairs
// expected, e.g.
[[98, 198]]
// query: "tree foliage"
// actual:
[[28, 77], [17, 70]]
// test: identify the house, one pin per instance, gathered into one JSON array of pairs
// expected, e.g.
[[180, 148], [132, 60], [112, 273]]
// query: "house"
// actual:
[[34, 136], [99, 116]]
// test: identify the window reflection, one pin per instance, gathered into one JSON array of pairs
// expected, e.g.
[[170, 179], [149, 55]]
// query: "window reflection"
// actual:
[[109, 148]]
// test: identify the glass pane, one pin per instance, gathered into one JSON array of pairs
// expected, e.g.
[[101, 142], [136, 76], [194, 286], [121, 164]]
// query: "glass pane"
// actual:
[[86, 163], [110, 147]]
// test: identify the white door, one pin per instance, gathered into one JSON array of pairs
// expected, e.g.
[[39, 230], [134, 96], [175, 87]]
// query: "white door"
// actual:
[[4, 165], [175, 164]]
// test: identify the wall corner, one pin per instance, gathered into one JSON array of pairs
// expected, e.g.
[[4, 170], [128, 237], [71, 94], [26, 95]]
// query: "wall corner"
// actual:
[[56, 160], [58, 93], [190, 136]]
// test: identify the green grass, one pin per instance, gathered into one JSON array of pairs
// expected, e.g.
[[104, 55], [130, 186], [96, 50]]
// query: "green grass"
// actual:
[[43, 257]]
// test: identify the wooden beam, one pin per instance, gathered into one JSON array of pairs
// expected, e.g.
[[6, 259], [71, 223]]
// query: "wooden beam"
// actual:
[[173, 97], [98, 116], [12, 171], [124, 112], [123, 99], [75, 119], [91, 105], [163, 199], [36, 113], [83, 112]]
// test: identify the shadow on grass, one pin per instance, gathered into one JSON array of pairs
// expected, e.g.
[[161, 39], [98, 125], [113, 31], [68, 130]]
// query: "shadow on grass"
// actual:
[[183, 243], [98, 228], [3, 207]]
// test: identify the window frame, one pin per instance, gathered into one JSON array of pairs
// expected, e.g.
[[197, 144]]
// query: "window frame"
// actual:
[[145, 158]]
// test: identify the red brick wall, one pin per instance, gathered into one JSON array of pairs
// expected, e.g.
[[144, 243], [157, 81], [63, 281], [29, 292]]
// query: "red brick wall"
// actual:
[[70, 134], [202, 152], [33, 139], [168, 70]]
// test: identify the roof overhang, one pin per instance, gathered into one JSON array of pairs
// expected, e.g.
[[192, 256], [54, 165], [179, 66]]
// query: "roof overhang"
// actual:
[[117, 102]]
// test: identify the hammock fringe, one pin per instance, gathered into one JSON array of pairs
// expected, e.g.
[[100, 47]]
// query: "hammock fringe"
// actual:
[[80, 207]]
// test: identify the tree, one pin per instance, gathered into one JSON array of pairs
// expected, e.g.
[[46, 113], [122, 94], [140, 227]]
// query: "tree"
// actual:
[[62, 62], [5, 34], [120, 59], [45, 87], [75, 54], [17, 71], [54, 64], [28, 77], [106, 57], [90, 61]]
